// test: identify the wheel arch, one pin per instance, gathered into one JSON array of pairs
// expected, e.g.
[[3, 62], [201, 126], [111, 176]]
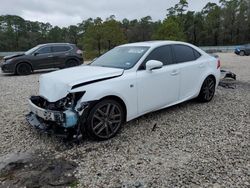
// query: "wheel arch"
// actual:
[[205, 77], [26, 62], [71, 58], [243, 50], [212, 76]]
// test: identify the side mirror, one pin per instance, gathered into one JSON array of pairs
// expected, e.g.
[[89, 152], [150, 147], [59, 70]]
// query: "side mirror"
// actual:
[[153, 64], [36, 53]]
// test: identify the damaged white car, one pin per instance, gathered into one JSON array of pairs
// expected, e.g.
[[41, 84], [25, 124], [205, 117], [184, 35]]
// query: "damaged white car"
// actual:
[[121, 85]]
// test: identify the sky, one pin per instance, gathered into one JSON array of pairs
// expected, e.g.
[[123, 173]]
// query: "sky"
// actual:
[[70, 12]]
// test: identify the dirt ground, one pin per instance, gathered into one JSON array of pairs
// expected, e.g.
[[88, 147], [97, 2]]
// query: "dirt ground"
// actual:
[[193, 144]]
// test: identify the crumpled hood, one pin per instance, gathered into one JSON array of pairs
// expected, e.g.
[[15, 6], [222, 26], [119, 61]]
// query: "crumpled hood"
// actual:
[[12, 56], [56, 85]]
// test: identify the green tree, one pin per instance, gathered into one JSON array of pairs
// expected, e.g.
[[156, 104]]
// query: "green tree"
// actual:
[[212, 23], [193, 27], [242, 22], [170, 30], [229, 11], [112, 33], [55, 35], [73, 34], [101, 36], [93, 38]]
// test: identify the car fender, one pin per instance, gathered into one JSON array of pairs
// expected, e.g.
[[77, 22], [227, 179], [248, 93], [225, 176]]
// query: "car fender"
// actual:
[[24, 61], [118, 87], [95, 96], [209, 73], [72, 57]]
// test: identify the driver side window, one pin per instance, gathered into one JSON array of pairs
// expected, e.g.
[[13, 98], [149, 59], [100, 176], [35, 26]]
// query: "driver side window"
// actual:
[[163, 54], [44, 50]]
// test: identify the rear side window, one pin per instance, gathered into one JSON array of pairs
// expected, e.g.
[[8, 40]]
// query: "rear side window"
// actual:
[[185, 53], [44, 50], [163, 54], [196, 54], [61, 48]]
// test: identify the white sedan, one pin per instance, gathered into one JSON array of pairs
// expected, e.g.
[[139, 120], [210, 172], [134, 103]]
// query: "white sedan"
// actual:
[[121, 85]]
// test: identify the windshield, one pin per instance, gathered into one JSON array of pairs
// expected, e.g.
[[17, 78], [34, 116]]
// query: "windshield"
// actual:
[[29, 52], [121, 57]]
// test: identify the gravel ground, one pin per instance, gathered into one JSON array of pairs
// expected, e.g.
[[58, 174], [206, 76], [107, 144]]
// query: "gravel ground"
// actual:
[[192, 145]]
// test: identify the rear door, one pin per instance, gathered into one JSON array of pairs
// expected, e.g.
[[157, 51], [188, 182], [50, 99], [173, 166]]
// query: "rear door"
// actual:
[[192, 67], [61, 53], [160, 87], [43, 58]]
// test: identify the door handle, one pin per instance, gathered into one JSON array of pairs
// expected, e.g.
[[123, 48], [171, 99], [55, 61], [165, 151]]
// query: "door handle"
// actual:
[[174, 72], [50, 56]]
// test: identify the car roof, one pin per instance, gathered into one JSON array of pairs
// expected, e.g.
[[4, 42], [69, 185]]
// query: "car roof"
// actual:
[[50, 44], [155, 43]]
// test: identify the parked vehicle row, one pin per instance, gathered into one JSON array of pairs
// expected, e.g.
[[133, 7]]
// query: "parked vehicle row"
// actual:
[[53, 55], [121, 85]]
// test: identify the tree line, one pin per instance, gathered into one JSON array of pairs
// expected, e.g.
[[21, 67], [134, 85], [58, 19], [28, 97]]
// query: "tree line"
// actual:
[[226, 23]]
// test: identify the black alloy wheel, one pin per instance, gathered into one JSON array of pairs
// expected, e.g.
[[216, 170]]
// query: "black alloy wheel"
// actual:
[[105, 119], [23, 69], [208, 90]]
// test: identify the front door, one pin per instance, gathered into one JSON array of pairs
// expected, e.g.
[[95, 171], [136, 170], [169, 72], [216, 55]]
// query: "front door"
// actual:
[[160, 87], [43, 58]]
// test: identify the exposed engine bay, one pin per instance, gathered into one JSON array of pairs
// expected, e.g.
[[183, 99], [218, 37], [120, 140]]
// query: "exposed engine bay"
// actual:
[[61, 117]]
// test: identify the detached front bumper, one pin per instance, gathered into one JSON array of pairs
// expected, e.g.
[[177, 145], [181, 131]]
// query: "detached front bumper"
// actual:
[[49, 121], [61, 123], [49, 129], [47, 115]]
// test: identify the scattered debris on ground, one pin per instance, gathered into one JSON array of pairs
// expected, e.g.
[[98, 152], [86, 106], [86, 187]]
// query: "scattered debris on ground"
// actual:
[[154, 127], [228, 74], [228, 80]]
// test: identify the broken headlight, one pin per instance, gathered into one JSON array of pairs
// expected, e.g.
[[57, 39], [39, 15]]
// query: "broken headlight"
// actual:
[[71, 100], [63, 104]]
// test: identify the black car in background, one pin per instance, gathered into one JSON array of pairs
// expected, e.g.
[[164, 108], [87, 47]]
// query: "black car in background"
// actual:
[[44, 56], [243, 50]]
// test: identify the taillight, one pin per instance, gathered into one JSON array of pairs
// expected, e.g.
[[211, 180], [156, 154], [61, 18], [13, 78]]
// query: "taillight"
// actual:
[[79, 52], [218, 64]]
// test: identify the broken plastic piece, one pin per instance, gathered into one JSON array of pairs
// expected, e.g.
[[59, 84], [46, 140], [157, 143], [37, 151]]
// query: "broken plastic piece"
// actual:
[[228, 74]]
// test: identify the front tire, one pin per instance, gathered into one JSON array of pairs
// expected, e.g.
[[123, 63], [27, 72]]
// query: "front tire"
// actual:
[[207, 90], [105, 119], [23, 69]]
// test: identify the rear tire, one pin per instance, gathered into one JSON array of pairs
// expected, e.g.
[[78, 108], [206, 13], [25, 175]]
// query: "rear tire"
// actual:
[[105, 120], [23, 69], [207, 90], [242, 53], [71, 63]]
